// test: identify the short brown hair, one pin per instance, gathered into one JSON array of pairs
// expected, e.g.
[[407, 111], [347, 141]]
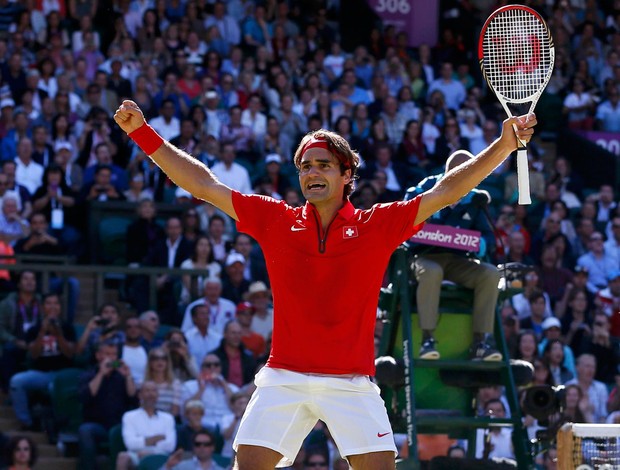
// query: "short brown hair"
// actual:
[[339, 148]]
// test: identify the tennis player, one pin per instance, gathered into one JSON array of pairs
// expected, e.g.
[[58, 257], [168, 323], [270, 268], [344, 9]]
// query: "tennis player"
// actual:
[[326, 262]]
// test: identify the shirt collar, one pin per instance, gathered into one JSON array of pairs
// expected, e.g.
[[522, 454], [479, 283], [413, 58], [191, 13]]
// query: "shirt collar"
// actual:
[[346, 211]]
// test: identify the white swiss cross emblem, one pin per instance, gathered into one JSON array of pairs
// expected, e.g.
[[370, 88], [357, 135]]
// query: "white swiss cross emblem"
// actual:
[[349, 232]]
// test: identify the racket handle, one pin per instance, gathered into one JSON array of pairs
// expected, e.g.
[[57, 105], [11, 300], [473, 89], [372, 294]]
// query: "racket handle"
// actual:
[[523, 177]]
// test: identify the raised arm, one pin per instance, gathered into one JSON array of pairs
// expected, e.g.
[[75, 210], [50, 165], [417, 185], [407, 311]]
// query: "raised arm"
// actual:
[[183, 169], [462, 179]]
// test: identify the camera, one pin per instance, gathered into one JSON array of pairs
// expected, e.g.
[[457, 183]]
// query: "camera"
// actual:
[[102, 321], [115, 364], [174, 344], [53, 322]]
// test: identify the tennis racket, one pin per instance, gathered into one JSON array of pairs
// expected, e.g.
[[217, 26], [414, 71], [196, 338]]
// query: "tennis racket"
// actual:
[[516, 55]]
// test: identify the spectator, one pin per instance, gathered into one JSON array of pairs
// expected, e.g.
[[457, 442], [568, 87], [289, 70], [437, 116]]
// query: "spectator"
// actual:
[[203, 448], [577, 322], [604, 347], [527, 346], [202, 258], [193, 411], [9, 168], [230, 423], [234, 285], [73, 173], [185, 138], [146, 430], [226, 24], [578, 107], [200, 338], [212, 390], [608, 301], [600, 265], [554, 355], [51, 345], [167, 123], [230, 172], [494, 442], [595, 392], [169, 253], [13, 226], [253, 341], [221, 310], [452, 89], [104, 327], [260, 298], [143, 232], [577, 408], [103, 157], [608, 113], [398, 174], [149, 326], [159, 371], [132, 352], [136, 191], [19, 311], [101, 188], [553, 277], [584, 229], [605, 205], [57, 201], [110, 378], [238, 364], [449, 142], [315, 458], [184, 365], [28, 172], [394, 121], [21, 453], [538, 309]]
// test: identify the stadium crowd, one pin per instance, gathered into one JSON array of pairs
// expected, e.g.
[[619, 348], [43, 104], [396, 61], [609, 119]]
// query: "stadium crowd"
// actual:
[[237, 84]]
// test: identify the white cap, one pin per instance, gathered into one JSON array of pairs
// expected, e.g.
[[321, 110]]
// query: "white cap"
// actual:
[[550, 322], [273, 157], [63, 145], [4, 102], [257, 287], [234, 257]]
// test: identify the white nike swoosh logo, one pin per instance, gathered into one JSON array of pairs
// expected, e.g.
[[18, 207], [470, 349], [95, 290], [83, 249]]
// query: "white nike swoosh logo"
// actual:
[[298, 229]]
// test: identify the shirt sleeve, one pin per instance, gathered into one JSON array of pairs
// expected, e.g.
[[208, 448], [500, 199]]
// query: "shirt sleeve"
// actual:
[[132, 439], [253, 211], [400, 217], [170, 442]]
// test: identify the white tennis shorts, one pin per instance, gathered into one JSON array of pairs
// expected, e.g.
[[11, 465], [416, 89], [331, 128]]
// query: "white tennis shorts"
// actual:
[[286, 405]]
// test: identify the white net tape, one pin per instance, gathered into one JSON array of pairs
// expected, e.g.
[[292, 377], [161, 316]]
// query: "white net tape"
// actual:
[[517, 54]]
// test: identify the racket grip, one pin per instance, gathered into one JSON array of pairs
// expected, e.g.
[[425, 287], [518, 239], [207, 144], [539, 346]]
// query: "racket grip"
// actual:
[[523, 177]]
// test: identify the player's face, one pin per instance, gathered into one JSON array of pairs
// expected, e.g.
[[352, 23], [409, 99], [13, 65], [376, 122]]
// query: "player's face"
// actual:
[[320, 177]]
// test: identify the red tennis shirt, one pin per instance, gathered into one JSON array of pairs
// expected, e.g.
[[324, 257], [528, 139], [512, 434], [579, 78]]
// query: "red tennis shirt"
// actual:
[[325, 284]]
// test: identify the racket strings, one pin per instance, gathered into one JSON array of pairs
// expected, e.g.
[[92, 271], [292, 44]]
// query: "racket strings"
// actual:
[[517, 54]]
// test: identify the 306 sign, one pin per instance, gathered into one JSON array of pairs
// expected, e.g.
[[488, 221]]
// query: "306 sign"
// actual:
[[393, 6]]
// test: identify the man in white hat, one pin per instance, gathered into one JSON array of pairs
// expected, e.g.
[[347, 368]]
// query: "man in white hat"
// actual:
[[260, 298]]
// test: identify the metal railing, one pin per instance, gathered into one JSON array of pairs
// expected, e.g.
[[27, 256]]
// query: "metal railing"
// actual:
[[62, 266]]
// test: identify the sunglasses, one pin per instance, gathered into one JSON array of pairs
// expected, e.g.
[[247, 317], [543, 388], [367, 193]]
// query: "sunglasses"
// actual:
[[22, 449], [206, 365], [203, 444]]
